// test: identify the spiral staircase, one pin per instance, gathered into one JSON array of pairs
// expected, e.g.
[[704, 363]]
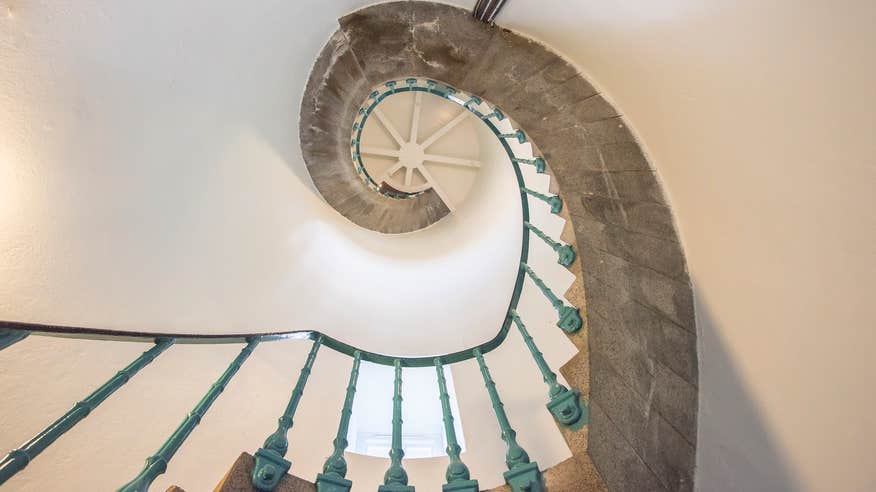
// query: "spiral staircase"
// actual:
[[600, 293]]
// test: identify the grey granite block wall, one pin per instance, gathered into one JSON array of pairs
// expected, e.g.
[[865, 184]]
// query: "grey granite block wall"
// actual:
[[639, 304], [338, 84]]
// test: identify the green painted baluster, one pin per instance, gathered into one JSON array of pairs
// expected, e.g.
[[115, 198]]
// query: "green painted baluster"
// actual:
[[157, 464], [270, 464], [538, 162], [522, 475], [497, 113], [570, 319], [473, 100], [11, 337], [457, 475], [391, 85], [519, 135], [411, 82], [396, 478], [565, 253], [564, 405], [335, 469], [555, 202], [16, 460]]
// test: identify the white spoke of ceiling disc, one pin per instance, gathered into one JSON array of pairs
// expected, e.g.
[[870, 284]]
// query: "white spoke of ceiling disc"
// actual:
[[378, 151], [409, 175], [435, 186], [454, 161], [389, 172], [389, 126], [415, 117], [444, 129]]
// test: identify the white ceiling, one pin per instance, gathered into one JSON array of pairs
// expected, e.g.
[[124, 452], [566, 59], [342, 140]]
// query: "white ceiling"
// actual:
[[444, 130]]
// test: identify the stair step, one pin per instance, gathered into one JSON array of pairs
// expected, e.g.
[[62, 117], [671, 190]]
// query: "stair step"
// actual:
[[239, 479]]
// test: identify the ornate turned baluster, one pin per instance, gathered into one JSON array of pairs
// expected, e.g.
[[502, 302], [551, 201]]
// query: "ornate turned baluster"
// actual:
[[522, 475], [564, 404], [518, 135], [569, 317], [473, 100], [396, 478], [335, 469], [11, 337], [538, 162], [441, 89], [270, 464], [16, 460], [555, 202], [457, 475], [497, 113], [157, 464], [565, 253]]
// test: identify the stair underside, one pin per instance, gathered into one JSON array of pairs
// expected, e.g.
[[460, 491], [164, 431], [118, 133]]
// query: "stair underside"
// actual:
[[639, 342]]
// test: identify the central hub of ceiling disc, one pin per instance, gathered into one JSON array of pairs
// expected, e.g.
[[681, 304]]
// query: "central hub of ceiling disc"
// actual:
[[410, 140], [411, 155]]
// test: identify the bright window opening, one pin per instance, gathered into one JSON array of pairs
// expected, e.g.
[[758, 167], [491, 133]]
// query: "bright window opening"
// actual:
[[423, 428]]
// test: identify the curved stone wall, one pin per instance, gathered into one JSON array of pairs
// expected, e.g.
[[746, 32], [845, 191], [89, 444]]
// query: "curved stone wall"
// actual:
[[638, 359], [335, 90]]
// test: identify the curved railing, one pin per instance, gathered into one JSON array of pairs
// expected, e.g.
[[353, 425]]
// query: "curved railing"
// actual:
[[564, 404]]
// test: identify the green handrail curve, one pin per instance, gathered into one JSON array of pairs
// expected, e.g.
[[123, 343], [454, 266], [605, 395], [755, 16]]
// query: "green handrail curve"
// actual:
[[518, 477], [435, 88]]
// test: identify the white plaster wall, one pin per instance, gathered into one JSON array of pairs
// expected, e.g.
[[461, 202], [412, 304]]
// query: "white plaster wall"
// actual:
[[151, 179], [759, 117]]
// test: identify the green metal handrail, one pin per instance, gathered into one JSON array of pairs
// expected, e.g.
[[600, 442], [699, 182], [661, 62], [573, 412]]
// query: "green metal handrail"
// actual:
[[271, 465]]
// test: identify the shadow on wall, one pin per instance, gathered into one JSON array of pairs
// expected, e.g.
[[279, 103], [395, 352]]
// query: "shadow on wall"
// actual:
[[736, 450]]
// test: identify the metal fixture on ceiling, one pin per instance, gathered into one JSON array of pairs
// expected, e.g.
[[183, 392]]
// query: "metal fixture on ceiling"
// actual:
[[487, 10]]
